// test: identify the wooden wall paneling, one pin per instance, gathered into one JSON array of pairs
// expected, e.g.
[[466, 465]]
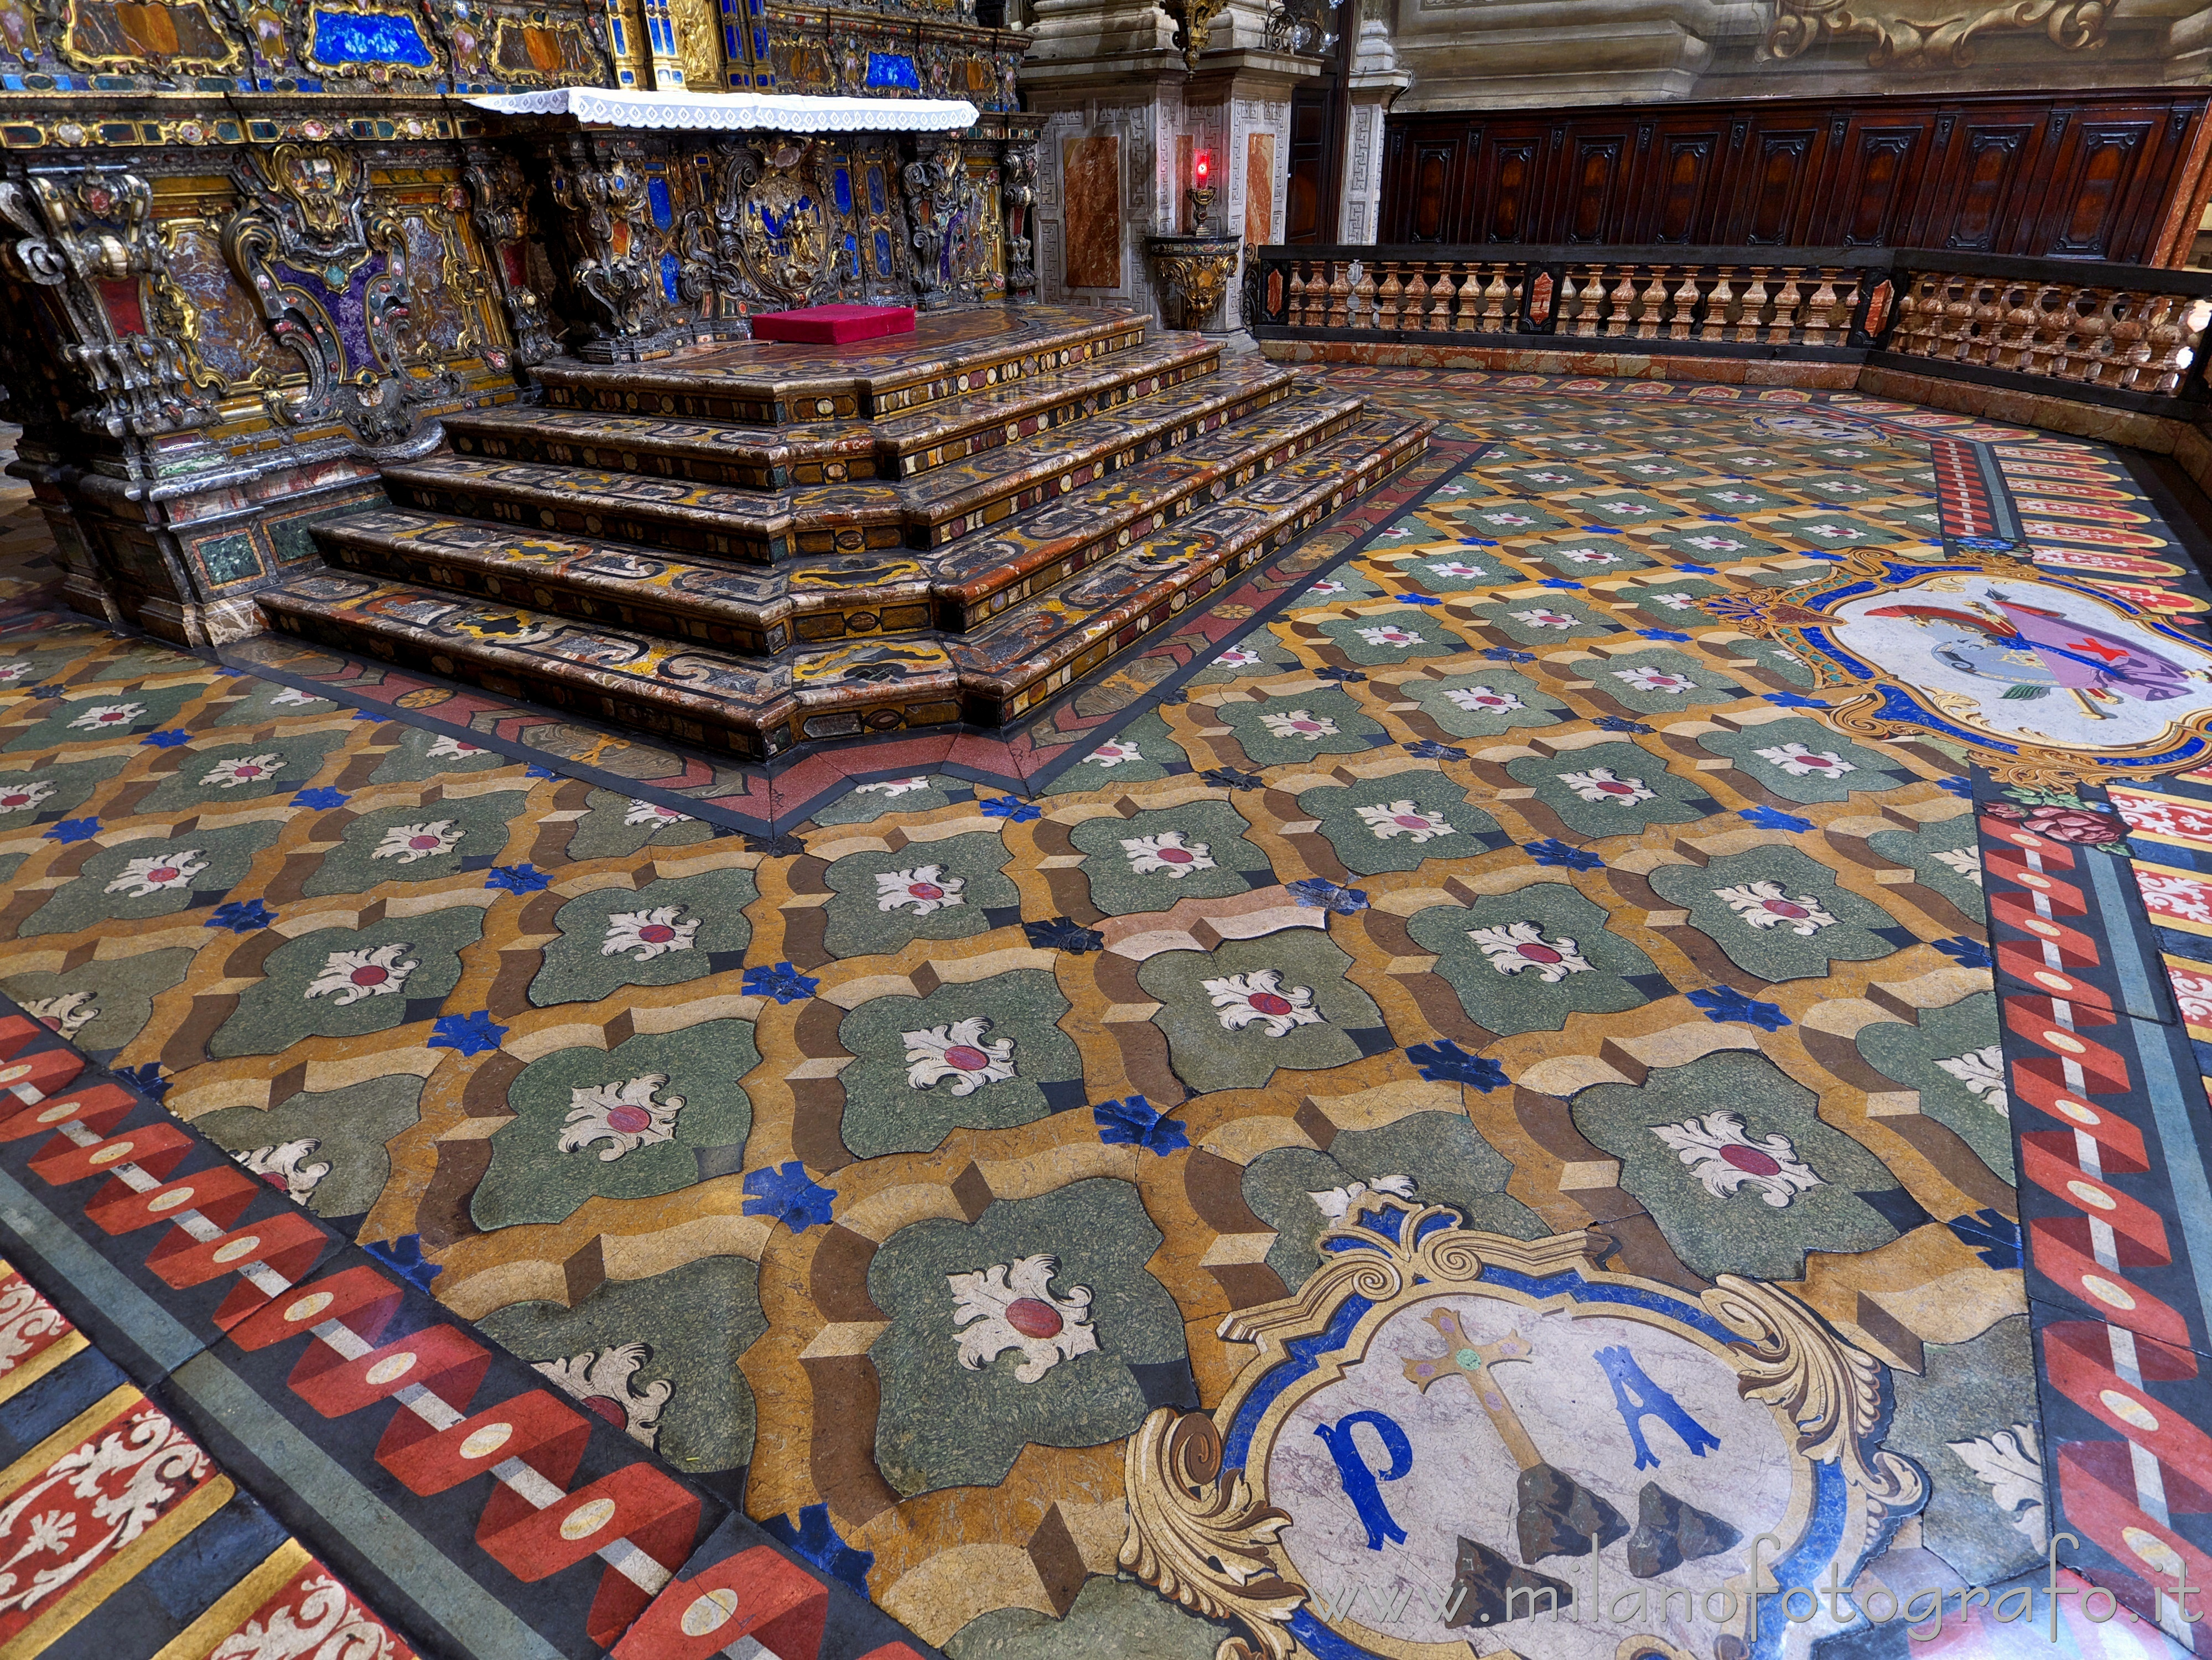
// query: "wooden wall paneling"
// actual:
[[2084, 175]]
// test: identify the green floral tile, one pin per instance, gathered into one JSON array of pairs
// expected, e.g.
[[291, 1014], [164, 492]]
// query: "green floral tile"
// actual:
[[1745, 1178], [1039, 1323], [1547, 618], [421, 842], [1524, 961], [1585, 557], [1234, 1015], [42, 792], [1947, 855], [1952, 1058], [1611, 790], [265, 700], [925, 891], [152, 876], [1803, 759], [1151, 860], [654, 1114], [1778, 913], [1969, 1418], [895, 797], [1400, 821], [1429, 1158], [1138, 753], [344, 982], [988, 1054], [103, 713], [1486, 702], [420, 755], [248, 772], [1292, 726], [328, 1149], [102, 1005], [616, 826], [1661, 681], [637, 1353], [676, 929], [1110, 1616]]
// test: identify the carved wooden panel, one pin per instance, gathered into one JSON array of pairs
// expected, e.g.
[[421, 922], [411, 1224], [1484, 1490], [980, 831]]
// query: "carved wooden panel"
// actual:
[[2082, 175]]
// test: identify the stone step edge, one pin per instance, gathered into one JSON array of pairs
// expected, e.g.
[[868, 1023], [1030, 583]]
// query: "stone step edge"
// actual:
[[775, 531], [895, 456], [368, 551], [1101, 635], [750, 730], [846, 397]]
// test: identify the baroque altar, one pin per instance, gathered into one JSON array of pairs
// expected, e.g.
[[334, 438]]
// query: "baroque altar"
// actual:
[[262, 248]]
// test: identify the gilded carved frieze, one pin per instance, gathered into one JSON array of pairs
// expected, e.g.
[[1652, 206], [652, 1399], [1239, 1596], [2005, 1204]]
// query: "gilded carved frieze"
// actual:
[[331, 265], [160, 37], [1931, 34], [616, 263], [89, 240], [500, 194]]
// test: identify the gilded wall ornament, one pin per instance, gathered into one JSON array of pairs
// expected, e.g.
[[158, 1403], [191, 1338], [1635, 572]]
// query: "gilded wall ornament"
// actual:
[[616, 262], [84, 233], [158, 37], [499, 195], [329, 264], [1420, 1449], [1194, 24], [1931, 34]]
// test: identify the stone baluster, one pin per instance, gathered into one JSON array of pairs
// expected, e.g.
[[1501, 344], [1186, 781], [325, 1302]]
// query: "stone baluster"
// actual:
[[1363, 297], [2096, 329], [1590, 302], [1496, 297], [1718, 303], [1410, 315], [1685, 301], [1470, 302], [1440, 300], [2130, 339], [2018, 329], [1820, 312], [2176, 333], [1750, 320], [1388, 294], [1786, 303], [1620, 304], [1294, 311], [1340, 296], [1958, 320], [2045, 331], [1985, 325]]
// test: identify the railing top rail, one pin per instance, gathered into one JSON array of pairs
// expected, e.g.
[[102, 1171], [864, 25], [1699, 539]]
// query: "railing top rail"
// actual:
[[2087, 273]]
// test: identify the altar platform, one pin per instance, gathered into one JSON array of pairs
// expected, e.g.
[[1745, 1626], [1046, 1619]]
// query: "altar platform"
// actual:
[[746, 546]]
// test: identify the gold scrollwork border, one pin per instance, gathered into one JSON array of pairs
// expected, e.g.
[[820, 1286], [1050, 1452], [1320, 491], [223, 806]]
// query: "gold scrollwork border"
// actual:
[[1785, 618], [1209, 1538]]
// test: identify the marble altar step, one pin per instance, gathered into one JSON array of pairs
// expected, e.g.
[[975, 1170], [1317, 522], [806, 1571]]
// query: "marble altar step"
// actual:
[[762, 528], [950, 354], [750, 611], [832, 452], [1037, 647], [755, 708]]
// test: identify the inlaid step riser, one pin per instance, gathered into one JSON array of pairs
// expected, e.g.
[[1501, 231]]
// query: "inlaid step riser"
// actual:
[[999, 685], [720, 523], [745, 612], [866, 383], [750, 612], [1006, 576], [771, 459], [675, 690]]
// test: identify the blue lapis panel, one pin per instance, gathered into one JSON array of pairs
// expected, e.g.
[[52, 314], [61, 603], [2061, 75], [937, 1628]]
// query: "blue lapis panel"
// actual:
[[376, 37], [843, 183], [883, 252], [852, 254], [893, 68], [663, 206], [876, 189], [668, 277]]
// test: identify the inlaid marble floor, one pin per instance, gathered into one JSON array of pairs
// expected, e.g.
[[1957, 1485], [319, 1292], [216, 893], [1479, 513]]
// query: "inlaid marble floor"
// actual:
[[1637, 1006]]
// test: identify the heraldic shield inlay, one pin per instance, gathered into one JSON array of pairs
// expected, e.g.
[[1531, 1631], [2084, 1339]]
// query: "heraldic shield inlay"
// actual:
[[2043, 679], [1452, 1442]]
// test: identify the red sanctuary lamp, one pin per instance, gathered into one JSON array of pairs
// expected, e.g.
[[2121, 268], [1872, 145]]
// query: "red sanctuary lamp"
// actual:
[[1202, 191]]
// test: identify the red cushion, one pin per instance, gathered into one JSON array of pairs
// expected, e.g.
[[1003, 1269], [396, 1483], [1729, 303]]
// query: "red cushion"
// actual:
[[834, 325]]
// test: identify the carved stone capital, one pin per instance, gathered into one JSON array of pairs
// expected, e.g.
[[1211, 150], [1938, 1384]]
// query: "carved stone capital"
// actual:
[[1928, 32]]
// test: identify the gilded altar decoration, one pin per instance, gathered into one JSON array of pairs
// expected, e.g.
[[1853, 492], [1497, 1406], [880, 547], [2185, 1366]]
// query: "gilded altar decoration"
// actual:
[[1409, 1457], [765, 234], [91, 242], [331, 265], [2045, 679], [1927, 33], [500, 195], [154, 37], [1193, 272], [614, 262], [1193, 25]]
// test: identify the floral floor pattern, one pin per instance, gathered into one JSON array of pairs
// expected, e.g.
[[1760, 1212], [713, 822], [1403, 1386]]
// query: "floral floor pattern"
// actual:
[[925, 1164]]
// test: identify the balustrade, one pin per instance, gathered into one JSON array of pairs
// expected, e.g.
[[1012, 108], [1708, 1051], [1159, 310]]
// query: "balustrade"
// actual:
[[2121, 330]]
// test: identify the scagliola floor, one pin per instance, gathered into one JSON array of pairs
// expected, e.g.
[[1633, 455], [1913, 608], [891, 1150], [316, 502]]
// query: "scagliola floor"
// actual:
[[1644, 985]]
